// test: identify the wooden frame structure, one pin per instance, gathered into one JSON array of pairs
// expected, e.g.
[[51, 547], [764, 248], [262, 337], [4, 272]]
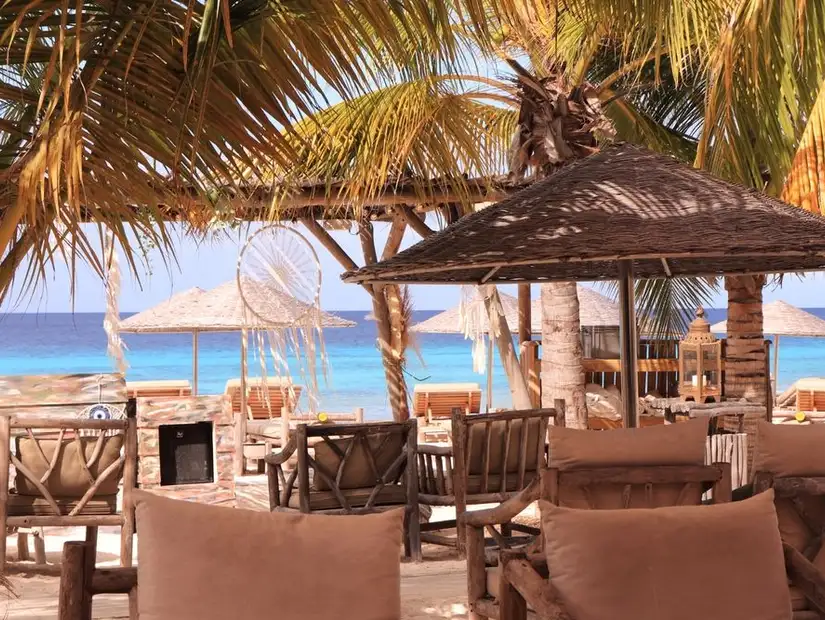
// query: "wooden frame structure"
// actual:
[[396, 479], [449, 475], [67, 429], [523, 572]]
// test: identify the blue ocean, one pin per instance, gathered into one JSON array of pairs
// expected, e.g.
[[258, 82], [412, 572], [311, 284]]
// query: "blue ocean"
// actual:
[[76, 343]]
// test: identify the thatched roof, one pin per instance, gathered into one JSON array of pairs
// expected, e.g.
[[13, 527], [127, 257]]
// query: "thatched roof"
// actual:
[[595, 310], [783, 319], [624, 203], [222, 309]]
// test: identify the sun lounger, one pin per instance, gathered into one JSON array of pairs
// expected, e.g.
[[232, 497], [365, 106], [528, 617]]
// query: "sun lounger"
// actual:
[[807, 395], [439, 400], [155, 389], [264, 402]]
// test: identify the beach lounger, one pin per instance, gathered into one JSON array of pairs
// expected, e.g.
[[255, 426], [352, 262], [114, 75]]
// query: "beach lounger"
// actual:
[[492, 457], [623, 468], [264, 402], [154, 389], [790, 459], [806, 395], [438, 401], [349, 469]]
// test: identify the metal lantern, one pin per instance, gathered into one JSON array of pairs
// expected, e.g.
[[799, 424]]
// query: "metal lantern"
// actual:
[[700, 362]]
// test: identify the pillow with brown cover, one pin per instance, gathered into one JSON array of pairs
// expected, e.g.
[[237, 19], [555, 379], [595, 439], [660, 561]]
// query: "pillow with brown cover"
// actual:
[[719, 562], [671, 444], [200, 562], [790, 449]]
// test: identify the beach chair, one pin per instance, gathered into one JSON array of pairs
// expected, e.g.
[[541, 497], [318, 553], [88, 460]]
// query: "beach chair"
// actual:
[[492, 457], [806, 395], [674, 562], [594, 470], [791, 461], [155, 389], [438, 401], [291, 566], [349, 469]]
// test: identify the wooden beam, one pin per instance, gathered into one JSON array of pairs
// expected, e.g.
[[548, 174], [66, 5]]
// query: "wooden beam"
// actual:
[[399, 226], [331, 245], [525, 318], [629, 344], [415, 222]]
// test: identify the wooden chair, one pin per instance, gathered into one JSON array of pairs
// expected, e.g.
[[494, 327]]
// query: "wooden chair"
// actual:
[[491, 590], [108, 449], [350, 469], [438, 401], [493, 457], [155, 389]]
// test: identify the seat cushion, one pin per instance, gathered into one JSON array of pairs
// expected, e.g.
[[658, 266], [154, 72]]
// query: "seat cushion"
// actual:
[[357, 471], [201, 562], [29, 505], [393, 494], [679, 563], [69, 477], [790, 449], [498, 430]]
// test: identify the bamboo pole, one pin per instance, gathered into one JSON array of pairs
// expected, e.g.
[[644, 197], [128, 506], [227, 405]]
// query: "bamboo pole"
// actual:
[[195, 362], [489, 373], [775, 366], [629, 344], [240, 421], [506, 351], [525, 312]]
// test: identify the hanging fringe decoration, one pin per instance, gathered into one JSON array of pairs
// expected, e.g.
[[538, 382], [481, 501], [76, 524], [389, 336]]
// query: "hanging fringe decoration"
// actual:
[[474, 324], [111, 320]]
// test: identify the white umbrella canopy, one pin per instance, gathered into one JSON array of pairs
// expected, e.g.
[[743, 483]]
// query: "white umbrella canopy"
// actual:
[[780, 318], [222, 309]]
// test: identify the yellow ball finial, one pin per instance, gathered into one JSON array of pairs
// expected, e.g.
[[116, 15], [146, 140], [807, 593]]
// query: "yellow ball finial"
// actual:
[[323, 417], [800, 416]]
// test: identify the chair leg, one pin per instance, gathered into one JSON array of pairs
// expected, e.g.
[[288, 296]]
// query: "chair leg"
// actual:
[[39, 546], [70, 605], [23, 547], [90, 560], [511, 603]]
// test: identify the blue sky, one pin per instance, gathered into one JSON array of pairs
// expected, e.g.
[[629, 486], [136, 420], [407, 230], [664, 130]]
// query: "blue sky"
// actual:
[[211, 263]]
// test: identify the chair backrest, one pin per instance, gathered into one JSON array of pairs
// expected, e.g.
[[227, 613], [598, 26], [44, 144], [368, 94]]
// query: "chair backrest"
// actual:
[[810, 395], [497, 455], [440, 400], [264, 402], [157, 389], [368, 457]]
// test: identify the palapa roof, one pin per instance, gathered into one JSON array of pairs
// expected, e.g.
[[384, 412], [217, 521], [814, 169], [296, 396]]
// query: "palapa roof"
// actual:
[[783, 319], [595, 310], [623, 203], [222, 309]]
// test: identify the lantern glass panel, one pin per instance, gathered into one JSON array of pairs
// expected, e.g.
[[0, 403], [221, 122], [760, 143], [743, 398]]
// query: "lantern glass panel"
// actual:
[[690, 357]]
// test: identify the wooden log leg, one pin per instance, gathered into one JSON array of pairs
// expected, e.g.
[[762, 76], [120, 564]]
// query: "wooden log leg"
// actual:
[[23, 547], [476, 570], [88, 569], [39, 546], [133, 604], [5, 457], [511, 603], [72, 580]]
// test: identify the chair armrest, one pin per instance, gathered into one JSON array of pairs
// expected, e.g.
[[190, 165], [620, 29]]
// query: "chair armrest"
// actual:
[[538, 592], [805, 576], [279, 458], [506, 511]]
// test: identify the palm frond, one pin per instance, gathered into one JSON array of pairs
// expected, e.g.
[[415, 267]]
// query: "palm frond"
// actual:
[[805, 184]]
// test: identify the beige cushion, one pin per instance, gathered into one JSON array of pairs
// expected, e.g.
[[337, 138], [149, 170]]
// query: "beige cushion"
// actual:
[[790, 450], [200, 562], [498, 432], [357, 474], [720, 562], [68, 478], [672, 444]]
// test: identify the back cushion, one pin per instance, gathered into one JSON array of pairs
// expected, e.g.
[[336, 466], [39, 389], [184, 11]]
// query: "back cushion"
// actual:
[[672, 444], [200, 562], [498, 435], [358, 473], [720, 562], [69, 477]]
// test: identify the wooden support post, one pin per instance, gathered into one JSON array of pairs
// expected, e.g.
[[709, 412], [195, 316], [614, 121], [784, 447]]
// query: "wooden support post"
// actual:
[[476, 572], [460, 457], [506, 351], [415, 222], [525, 318], [240, 420], [23, 547], [195, 363], [39, 546], [90, 558], [72, 582], [303, 468], [511, 603], [413, 531], [629, 344], [5, 459], [127, 531]]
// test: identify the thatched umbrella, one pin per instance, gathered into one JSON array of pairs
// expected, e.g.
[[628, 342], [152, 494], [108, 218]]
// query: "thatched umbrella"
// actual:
[[620, 214], [222, 309], [595, 310], [780, 318]]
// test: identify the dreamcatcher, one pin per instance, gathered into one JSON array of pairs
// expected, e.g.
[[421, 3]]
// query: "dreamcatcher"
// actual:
[[476, 326], [279, 280]]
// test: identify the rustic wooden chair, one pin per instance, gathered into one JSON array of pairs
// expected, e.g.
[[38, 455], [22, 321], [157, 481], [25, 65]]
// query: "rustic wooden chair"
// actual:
[[45, 459], [350, 469], [492, 458], [626, 486]]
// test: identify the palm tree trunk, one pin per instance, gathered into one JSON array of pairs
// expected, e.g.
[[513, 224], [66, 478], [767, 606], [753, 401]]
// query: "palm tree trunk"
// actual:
[[745, 363], [401, 412], [562, 375]]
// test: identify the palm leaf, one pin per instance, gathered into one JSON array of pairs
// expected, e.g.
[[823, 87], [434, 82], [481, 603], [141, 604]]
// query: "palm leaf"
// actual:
[[805, 184]]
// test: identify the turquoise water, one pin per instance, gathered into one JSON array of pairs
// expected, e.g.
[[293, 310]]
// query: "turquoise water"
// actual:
[[66, 343]]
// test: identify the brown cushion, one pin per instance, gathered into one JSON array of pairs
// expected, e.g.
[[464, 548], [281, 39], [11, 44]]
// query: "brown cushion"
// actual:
[[498, 432], [790, 449], [672, 444], [679, 563], [28, 505], [385, 448], [68, 478], [200, 562]]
